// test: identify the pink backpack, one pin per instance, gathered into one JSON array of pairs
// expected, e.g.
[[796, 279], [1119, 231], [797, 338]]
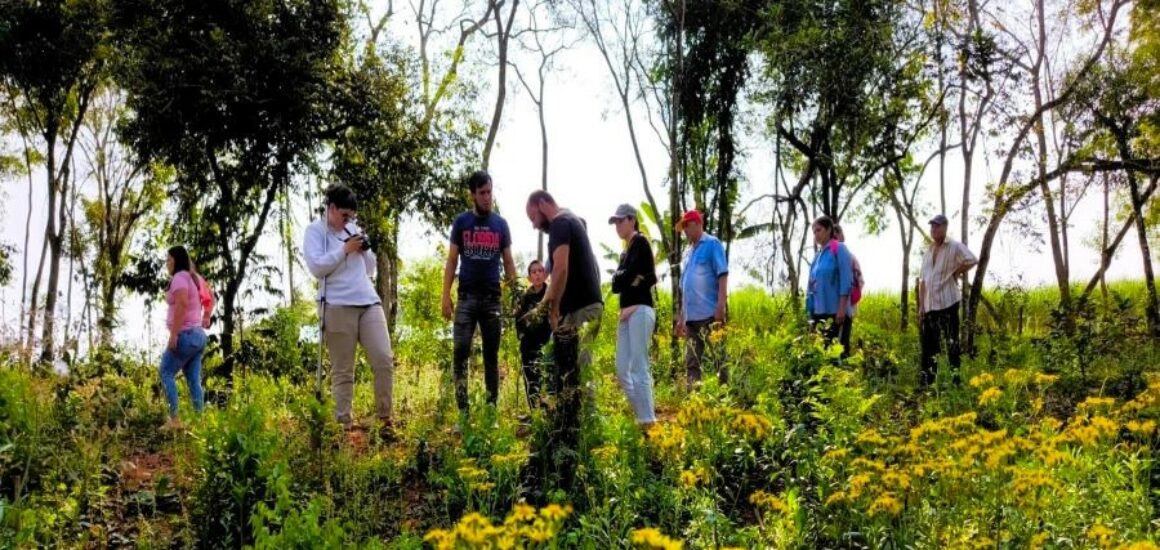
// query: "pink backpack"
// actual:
[[856, 293]]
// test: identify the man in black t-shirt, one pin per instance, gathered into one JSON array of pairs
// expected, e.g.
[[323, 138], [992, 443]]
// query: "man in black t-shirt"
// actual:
[[480, 238], [573, 300]]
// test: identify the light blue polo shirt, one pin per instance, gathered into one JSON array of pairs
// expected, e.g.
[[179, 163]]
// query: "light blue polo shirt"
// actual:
[[704, 264]]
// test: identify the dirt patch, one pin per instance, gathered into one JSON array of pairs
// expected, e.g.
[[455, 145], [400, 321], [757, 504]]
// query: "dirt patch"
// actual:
[[142, 471]]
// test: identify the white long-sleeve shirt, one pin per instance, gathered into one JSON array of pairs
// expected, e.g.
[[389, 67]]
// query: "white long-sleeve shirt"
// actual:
[[345, 280]]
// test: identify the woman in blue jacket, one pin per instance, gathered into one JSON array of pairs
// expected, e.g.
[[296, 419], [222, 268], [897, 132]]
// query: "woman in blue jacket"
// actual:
[[831, 282]]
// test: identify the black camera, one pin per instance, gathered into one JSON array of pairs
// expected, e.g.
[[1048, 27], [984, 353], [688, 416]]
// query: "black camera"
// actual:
[[366, 241]]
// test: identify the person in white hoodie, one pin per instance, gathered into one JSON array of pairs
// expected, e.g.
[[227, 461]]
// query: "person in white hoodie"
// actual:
[[340, 256]]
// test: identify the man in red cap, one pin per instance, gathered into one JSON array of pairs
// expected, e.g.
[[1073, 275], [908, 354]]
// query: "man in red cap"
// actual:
[[704, 284]]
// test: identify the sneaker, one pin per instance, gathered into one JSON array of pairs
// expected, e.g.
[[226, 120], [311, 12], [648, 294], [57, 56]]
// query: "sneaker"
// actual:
[[173, 424]]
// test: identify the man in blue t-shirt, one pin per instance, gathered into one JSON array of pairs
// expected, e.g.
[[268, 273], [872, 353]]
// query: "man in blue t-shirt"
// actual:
[[704, 284], [480, 238]]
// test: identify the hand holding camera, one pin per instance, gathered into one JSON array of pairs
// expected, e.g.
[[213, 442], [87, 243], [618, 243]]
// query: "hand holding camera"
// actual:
[[356, 243]]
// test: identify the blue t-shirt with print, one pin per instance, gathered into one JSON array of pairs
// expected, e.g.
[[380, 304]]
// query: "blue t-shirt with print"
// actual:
[[704, 265], [481, 241]]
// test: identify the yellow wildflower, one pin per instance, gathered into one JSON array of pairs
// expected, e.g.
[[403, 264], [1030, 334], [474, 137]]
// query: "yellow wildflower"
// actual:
[[989, 396], [837, 454], [650, 537], [982, 380], [1045, 379], [885, 503], [440, 538], [473, 528], [1100, 534], [1140, 545], [606, 452], [521, 513], [1141, 428], [482, 487], [858, 483], [555, 512], [1106, 426], [1016, 376], [752, 426], [508, 460], [871, 437], [1096, 403], [836, 498], [765, 500], [896, 480], [1039, 541]]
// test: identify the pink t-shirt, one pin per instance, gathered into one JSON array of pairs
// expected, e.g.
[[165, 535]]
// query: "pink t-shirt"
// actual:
[[183, 282]]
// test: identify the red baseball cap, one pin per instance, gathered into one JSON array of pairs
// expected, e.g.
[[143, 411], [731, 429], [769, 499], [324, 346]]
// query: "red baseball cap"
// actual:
[[690, 216]]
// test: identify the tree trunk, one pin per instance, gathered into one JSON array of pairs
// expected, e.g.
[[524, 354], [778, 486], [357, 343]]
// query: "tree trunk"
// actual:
[[108, 315], [543, 159], [25, 306], [1053, 219], [288, 246], [52, 238], [1152, 307], [503, 34], [33, 308], [1104, 236], [676, 171]]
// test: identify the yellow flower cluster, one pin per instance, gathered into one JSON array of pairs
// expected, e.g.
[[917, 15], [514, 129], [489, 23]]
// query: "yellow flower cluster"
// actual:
[[752, 426], [650, 537], [512, 460], [990, 395], [607, 452], [667, 439], [694, 477], [524, 526], [887, 503], [1100, 535], [764, 500]]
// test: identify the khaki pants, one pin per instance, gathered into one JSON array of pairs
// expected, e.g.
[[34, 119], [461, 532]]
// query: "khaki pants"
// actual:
[[345, 326]]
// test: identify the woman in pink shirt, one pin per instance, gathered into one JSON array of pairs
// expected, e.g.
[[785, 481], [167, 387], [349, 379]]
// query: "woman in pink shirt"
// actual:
[[186, 336]]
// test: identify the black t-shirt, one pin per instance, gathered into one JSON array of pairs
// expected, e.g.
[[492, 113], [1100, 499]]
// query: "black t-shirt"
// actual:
[[583, 285], [636, 274], [536, 333]]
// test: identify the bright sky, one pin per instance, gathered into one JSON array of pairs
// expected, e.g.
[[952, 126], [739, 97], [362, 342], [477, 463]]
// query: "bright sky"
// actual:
[[592, 170]]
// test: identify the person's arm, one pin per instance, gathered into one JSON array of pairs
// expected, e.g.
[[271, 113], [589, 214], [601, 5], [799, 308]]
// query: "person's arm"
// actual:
[[320, 259], [721, 269], [509, 265], [559, 282], [180, 306], [722, 298], [967, 260], [920, 290], [449, 276], [648, 266], [845, 281]]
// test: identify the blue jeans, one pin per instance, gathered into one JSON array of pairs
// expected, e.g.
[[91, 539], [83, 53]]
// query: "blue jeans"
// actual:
[[186, 358], [633, 337]]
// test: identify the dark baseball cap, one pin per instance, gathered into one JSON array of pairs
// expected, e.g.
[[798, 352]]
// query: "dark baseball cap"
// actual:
[[939, 220], [623, 211]]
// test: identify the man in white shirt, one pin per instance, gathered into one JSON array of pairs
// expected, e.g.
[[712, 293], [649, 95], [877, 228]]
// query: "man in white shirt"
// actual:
[[938, 298], [340, 256]]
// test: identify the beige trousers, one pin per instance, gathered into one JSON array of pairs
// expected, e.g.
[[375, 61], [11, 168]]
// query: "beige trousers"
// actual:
[[346, 326]]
